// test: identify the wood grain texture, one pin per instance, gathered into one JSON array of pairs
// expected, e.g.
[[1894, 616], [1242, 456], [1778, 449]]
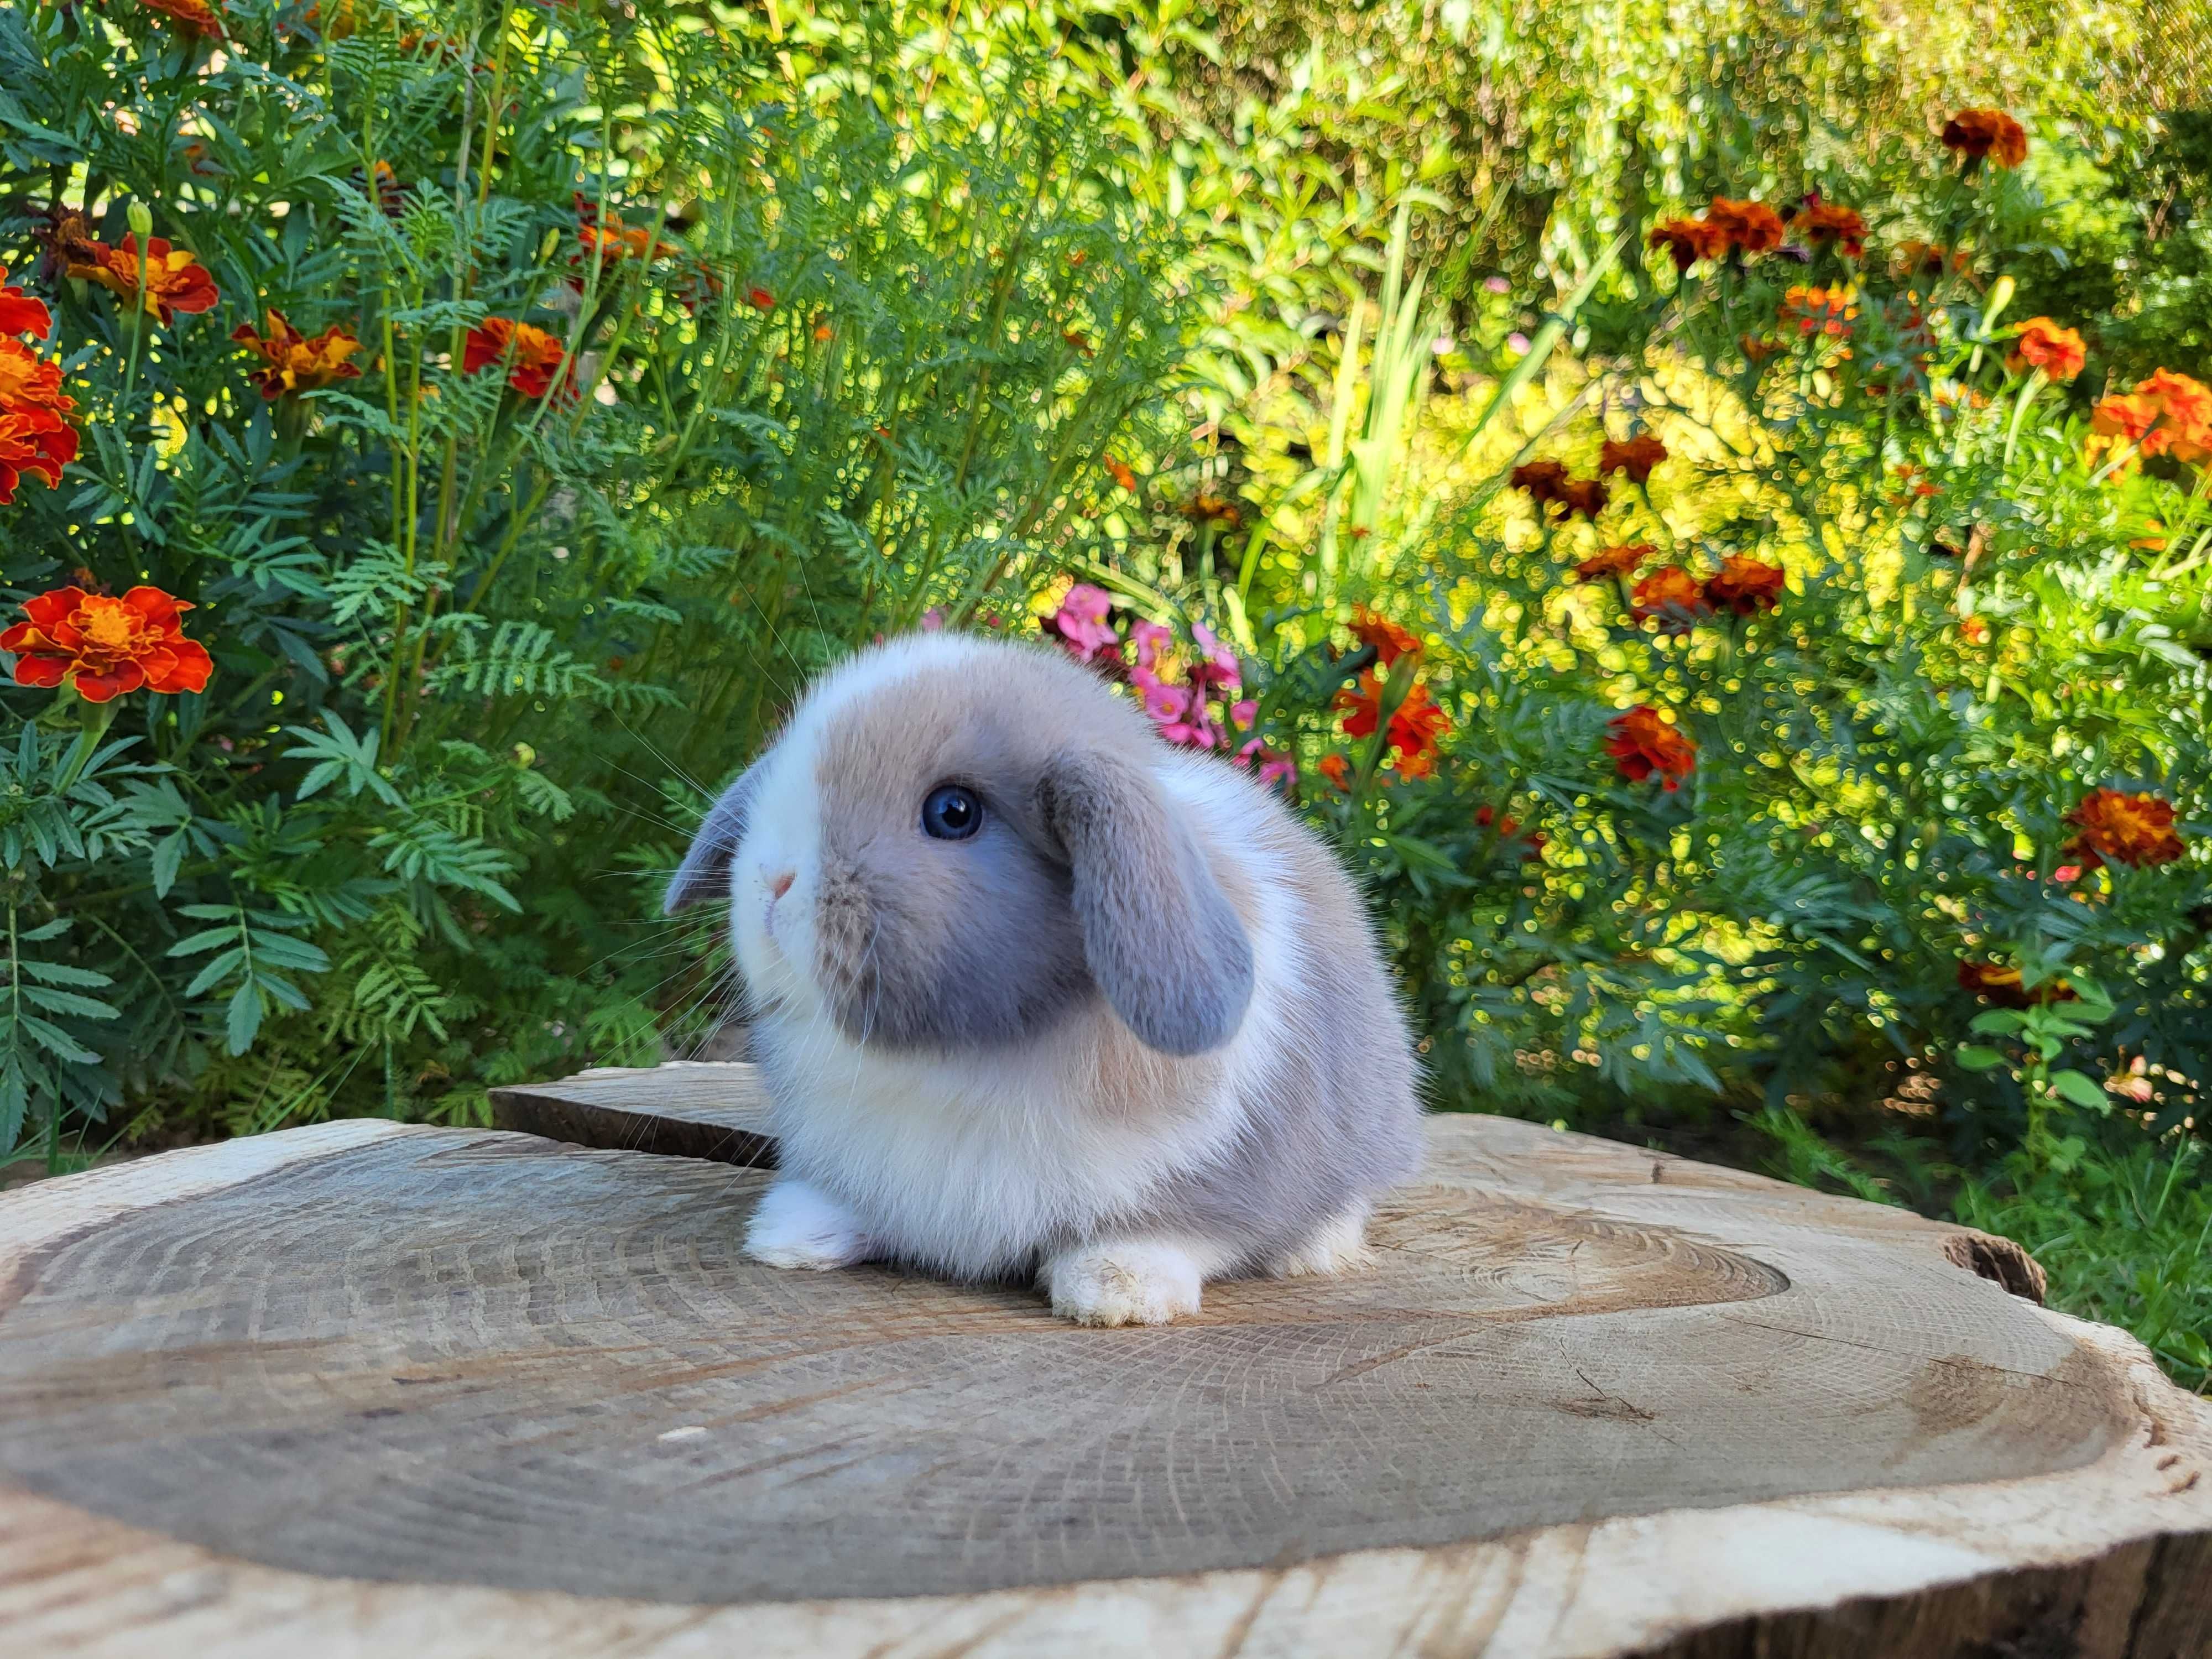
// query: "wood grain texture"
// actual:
[[362, 1387]]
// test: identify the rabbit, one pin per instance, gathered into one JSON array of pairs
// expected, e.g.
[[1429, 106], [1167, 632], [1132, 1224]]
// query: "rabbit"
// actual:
[[1035, 993]]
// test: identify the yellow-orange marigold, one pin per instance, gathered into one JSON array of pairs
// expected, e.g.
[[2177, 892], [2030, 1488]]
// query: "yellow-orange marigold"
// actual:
[[536, 356], [105, 647], [2113, 826], [1389, 641], [1614, 562], [1749, 227], [174, 280], [1672, 593], [1688, 240], [1986, 134], [2058, 352], [36, 434], [292, 362]]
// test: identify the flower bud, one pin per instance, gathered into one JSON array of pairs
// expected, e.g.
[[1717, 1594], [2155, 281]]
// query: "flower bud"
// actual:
[[141, 218]]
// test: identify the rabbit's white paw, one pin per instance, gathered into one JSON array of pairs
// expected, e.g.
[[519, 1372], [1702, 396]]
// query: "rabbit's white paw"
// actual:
[[1133, 1282], [800, 1225], [1338, 1245]]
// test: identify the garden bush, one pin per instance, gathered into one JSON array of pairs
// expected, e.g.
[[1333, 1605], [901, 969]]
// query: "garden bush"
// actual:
[[1749, 630]]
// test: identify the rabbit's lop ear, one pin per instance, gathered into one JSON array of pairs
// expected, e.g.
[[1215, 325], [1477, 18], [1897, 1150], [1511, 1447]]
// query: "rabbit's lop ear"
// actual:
[[705, 872], [1159, 933]]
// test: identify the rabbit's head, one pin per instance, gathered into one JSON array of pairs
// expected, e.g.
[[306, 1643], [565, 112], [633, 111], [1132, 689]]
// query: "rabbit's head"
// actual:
[[959, 842]]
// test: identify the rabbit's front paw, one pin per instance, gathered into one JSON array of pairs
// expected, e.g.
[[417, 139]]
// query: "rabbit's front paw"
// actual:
[[1338, 1245], [1130, 1282], [800, 1225]]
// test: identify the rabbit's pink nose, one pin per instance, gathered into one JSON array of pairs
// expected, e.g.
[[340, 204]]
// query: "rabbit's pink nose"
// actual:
[[780, 884]]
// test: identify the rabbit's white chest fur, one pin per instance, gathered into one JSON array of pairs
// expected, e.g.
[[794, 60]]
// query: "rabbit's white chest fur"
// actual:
[[969, 1169]]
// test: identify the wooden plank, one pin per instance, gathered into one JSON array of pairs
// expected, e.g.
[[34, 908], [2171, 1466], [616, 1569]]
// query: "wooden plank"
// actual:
[[706, 1110], [469, 1393]]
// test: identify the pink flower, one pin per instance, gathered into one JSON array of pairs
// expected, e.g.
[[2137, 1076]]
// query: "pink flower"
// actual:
[[1179, 711], [1217, 665], [1273, 768], [1152, 639], [1081, 623], [933, 620], [1244, 713]]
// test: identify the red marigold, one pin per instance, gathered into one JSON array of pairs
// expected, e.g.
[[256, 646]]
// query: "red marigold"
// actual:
[[1543, 480], [533, 356], [1415, 724], [293, 363], [1986, 134], [2111, 825], [1824, 222], [760, 299], [2058, 352], [105, 646], [1688, 240], [22, 314], [194, 16], [1642, 743], [1749, 227], [1744, 584], [1672, 593], [1390, 642], [1508, 830], [1614, 562], [173, 279], [1634, 456]]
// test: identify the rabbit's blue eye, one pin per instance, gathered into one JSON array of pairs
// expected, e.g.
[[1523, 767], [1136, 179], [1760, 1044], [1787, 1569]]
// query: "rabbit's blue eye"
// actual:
[[951, 813]]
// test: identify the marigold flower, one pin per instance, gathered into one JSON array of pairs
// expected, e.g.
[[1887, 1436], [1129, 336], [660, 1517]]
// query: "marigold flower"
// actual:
[[536, 356], [106, 647], [1986, 135], [1758, 350], [1508, 830], [1642, 743], [193, 17], [1926, 259], [1337, 769], [601, 236], [1586, 496], [2006, 988], [1688, 240], [1744, 584], [36, 434], [1122, 474], [174, 280], [760, 299], [2058, 352], [1749, 227], [293, 363], [1824, 222], [1415, 724], [1390, 642], [20, 313], [1829, 311], [1545, 480], [1672, 593], [383, 182], [1614, 562], [2112, 826], [1634, 456], [1208, 509]]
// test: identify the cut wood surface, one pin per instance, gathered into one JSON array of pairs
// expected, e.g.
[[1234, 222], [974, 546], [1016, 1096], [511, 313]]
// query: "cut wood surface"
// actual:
[[372, 1388]]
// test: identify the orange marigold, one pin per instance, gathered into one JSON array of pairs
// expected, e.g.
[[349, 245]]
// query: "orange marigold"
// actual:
[[1586, 496], [1636, 457], [1642, 743], [1672, 593], [22, 314], [1614, 562], [173, 280], [2006, 988], [292, 362], [1389, 641], [1749, 227], [36, 434], [198, 17], [600, 234], [105, 647], [1824, 222], [2058, 352], [1415, 724], [1986, 135], [1337, 769], [1926, 259], [1688, 240], [2112, 826], [1545, 480], [1744, 584], [1829, 311], [1122, 474], [533, 356]]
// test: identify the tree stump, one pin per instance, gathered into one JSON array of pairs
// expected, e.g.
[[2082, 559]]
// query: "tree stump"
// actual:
[[369, 1388]]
